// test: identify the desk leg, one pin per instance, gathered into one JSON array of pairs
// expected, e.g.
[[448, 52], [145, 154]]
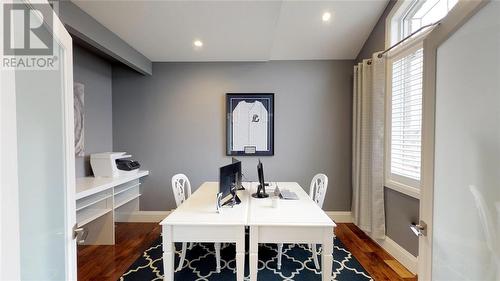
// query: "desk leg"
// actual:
[[240, 256], [326, 255], [168, 253], [254, 252]]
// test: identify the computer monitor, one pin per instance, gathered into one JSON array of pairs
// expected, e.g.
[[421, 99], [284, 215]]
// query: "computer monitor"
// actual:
[[261, 189], [229, 180]]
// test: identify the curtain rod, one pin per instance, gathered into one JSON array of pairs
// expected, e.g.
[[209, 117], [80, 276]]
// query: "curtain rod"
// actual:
[[408, 37]]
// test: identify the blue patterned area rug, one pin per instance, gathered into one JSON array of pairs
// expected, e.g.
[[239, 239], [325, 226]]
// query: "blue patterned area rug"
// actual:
[[297, 264]]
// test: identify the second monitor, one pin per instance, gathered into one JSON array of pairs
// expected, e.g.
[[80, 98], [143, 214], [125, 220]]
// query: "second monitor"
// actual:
[[261, 189]]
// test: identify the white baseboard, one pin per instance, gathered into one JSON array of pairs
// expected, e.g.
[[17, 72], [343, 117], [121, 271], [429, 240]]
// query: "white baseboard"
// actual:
[[394, 249], [399, 253], [141, 216], [340, 217]]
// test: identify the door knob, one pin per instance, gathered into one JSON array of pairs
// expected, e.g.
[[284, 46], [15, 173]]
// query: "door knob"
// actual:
[[419, 229], [80, 234]]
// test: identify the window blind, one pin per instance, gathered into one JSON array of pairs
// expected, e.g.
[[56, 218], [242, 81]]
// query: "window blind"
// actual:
[[406, 115]]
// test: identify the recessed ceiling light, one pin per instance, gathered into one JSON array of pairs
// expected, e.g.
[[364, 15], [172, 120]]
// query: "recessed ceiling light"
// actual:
[[326, 16], [198, 43]]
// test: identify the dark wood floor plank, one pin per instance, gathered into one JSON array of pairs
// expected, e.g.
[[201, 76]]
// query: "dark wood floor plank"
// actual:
[[111, 261], [371, 256], [368, 241], [364, 257], [361, 241]]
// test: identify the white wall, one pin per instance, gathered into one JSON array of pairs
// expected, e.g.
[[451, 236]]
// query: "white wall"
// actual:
[[468, 151]]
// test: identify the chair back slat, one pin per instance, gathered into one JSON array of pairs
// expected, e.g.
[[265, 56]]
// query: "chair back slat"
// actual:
[[317, 190], [181, 188]]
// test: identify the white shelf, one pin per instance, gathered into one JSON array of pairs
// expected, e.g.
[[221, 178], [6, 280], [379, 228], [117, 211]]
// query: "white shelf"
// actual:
[[92, 201], [92, 185], [85, 216], [119, 203], [126, 188]]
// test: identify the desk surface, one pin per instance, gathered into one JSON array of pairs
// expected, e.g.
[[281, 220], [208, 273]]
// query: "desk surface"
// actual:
[[90, 185], [303, 212], [200, 209]]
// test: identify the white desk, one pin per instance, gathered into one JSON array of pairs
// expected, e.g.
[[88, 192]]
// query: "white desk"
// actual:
[[99, 199], [196, 220], [293, 221]]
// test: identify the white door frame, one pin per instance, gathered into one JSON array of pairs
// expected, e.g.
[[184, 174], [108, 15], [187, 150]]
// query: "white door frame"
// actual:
[[457, 17], [11, 268], [9, 202]]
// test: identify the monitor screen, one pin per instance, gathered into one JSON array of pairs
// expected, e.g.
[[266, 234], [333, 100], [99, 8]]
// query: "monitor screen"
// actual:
[[260, 172], [229, 178]]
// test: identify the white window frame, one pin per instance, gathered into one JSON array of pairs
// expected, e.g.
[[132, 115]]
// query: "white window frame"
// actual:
[[394, 33], [396, 182], [397, 13]]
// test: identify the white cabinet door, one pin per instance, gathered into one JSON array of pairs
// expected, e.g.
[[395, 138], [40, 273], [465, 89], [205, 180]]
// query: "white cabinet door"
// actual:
[[41, 126]]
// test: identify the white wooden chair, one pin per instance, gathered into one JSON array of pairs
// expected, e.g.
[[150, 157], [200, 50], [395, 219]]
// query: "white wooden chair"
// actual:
[[317, 192], [182, 190]]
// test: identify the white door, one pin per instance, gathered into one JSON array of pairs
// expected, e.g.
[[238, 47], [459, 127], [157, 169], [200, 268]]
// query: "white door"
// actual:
[[38, 145], [461, 204]]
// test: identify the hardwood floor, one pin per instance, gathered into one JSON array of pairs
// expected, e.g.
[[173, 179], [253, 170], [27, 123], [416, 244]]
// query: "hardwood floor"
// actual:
[[372, 257], [105, 263], [101, 263]]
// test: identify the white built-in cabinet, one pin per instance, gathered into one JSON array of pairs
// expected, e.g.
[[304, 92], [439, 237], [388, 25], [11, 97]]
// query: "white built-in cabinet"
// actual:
[[100, 202]]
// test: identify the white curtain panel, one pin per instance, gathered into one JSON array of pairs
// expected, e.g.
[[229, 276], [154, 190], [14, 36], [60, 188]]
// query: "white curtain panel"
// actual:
[[368, 146]]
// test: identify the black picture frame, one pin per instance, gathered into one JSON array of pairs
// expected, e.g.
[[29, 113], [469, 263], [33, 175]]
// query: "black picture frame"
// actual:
[[266, 101]]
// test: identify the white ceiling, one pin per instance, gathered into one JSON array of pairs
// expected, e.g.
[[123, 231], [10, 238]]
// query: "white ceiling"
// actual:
[[239, 30]]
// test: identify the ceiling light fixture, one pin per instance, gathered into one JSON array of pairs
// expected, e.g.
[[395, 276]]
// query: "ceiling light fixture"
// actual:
[[198, 43], [326, 16]]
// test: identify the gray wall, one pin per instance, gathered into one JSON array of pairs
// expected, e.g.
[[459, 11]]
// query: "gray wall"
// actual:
[[400, 209], [173, 122], [376, 40], [95, 73]]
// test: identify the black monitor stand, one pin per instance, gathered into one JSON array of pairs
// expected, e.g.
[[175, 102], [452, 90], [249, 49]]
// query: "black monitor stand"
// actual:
[[234, 200], [261, 191]]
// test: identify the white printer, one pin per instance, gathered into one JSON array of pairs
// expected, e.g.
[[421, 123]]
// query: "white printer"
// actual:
[[113, 164]]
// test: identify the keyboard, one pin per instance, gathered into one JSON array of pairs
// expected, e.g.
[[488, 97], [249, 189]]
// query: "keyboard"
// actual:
[[285, 194], [288, 195]]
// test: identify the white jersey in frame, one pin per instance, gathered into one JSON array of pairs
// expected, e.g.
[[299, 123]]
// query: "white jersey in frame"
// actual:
[[250, 120]]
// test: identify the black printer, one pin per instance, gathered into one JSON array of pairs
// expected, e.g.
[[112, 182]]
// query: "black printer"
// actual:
[[127, 165]]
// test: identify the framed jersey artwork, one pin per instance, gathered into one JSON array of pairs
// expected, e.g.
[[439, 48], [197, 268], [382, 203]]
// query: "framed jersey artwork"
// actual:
[[249, 124]]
